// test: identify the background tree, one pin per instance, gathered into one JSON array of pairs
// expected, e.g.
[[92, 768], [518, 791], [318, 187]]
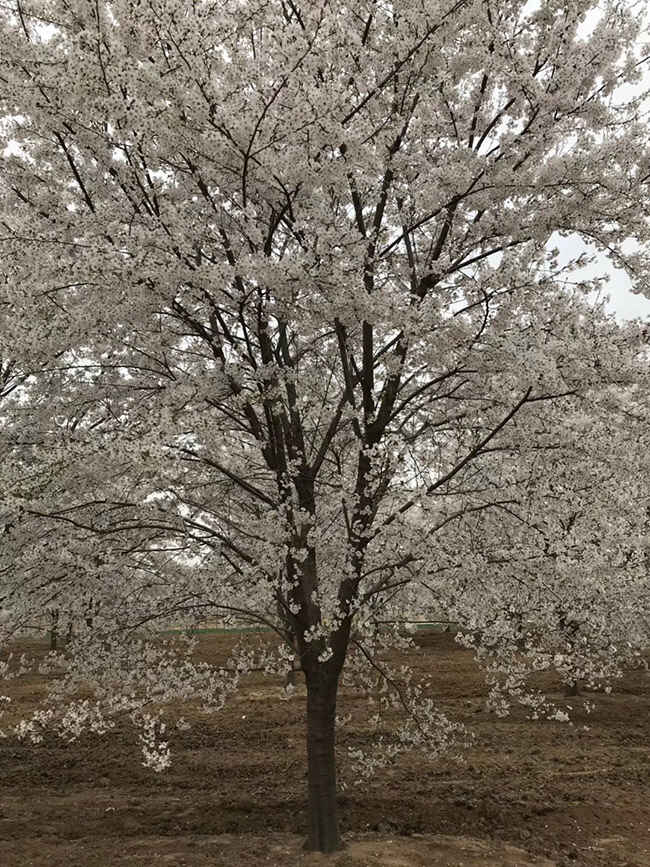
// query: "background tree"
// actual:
[[287, 277], [566, 568]]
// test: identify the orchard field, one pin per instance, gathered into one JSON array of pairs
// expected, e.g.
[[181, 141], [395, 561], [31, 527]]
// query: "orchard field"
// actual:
[[527, 792]]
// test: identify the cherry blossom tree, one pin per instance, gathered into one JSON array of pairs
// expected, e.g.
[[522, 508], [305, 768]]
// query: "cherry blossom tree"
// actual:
[[567, 573], [296, 345]]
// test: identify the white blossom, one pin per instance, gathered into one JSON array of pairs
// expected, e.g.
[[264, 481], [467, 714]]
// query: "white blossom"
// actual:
[[286, 342]]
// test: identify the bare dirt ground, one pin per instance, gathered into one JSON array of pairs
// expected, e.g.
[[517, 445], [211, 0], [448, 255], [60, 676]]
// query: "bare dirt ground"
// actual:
[[530, 793]]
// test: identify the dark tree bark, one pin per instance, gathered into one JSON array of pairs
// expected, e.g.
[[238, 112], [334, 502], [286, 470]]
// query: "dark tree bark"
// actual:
[[323, 834], [54, 629]]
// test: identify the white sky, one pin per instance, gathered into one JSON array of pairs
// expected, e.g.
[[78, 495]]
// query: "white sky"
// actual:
[[623, 303], [626, 305]]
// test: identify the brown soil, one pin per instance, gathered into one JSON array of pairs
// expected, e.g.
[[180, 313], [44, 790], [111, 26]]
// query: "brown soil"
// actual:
[[530, 793]]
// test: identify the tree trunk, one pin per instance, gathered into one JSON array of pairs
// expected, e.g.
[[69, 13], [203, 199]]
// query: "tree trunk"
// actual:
[[572, 689], [54, 629], [323, 836]]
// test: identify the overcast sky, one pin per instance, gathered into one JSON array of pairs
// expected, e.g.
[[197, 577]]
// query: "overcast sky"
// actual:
[[623, 303]]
